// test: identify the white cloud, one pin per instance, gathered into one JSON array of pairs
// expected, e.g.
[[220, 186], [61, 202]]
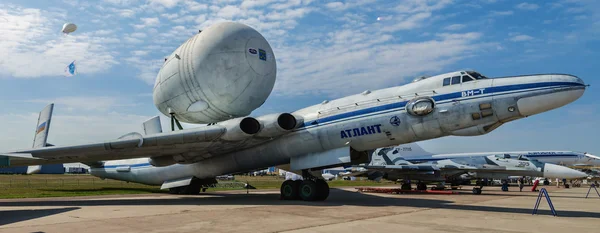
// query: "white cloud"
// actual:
[[132, 40], [164, 3], [336, 6], [527, 6], [33, 49], [148, 68], [170, 16], [229, 12], [286, 5], [150, 22], [288, 14], [194, 6], [187, 18], [413, 6], [501, 13], [103, 32], [407, 23], [121, 2], [354, 56], [519, 38], [126, 13], [85, 103], [139, 53], [246, 4], [454, 27], [200, 19], [138, 35]]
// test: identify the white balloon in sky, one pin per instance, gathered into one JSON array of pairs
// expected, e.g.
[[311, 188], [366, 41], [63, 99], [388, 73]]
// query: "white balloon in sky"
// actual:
[[378, 18], [68, 28]]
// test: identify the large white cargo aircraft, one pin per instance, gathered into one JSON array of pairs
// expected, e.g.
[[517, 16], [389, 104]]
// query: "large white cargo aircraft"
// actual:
[[336, 132]]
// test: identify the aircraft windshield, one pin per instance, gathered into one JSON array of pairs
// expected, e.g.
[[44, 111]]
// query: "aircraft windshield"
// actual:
[[476, 75]]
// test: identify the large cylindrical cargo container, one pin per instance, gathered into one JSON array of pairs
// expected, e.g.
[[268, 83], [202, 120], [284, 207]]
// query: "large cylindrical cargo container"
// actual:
[[223, 72]]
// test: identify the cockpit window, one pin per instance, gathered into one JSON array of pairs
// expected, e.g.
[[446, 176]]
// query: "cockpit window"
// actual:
[[476, 75], [466, 78], [455, 80], [446, 81]]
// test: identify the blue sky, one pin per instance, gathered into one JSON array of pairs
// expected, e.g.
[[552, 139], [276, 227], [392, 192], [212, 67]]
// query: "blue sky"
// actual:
[[323, 51]]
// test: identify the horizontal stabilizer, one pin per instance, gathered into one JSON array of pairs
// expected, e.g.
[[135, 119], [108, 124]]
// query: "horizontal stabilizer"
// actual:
[[6, 158], [34, 169], [176, 183]]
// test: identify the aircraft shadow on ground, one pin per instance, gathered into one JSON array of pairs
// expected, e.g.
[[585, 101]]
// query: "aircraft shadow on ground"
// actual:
[[338, 197], [147, 190], [13, 216]]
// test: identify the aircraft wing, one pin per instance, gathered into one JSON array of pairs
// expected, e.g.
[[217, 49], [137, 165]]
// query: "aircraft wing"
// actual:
[[183, 146]]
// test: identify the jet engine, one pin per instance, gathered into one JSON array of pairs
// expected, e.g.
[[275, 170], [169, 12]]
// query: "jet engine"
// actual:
[[240, 128], [223, 72], [277, 124]]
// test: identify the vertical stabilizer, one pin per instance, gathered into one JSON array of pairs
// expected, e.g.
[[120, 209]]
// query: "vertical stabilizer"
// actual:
[[397, 155], [410, 150], [41, 134], [43, 125], [152, 126]]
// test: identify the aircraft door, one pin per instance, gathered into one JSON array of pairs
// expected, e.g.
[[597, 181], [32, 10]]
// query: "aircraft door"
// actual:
[[504, 106]]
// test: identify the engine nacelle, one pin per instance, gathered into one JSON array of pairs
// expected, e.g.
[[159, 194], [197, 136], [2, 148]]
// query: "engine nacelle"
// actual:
[[277, 124], [240, 128], [162, 161], [224, 72]]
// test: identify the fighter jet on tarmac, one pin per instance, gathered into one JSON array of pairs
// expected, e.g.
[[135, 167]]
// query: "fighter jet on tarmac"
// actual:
[[391, 163]]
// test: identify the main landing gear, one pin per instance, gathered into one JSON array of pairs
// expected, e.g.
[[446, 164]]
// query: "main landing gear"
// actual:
[[309, 189], [478, 187]]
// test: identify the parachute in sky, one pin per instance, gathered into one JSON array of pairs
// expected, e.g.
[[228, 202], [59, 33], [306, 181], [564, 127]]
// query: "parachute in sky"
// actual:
[[68, 28], [70, 70]]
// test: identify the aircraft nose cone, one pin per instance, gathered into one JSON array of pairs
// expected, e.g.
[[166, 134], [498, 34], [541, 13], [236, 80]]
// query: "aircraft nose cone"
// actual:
[[567, 78], [556, 171], [556, 91]]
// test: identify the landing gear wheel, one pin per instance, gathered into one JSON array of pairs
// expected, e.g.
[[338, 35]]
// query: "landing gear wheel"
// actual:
[[298, 183], [322, 190], [476, 191], [405, 187], [308, 190], [421, 186], [174, 190], [192, 189], [289, 190]]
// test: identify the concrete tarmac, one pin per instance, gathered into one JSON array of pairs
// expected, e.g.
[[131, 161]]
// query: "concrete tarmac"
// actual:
[[345, 211]]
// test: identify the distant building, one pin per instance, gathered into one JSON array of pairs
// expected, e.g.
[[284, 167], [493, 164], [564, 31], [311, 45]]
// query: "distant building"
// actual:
[[46, 169], [76, 170]]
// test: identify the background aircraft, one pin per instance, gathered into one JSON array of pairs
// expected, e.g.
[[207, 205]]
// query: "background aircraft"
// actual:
[[414, 153], [388, 163]]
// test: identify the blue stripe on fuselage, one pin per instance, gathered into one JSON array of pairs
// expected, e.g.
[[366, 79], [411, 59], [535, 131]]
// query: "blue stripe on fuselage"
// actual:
[[438, 98]]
